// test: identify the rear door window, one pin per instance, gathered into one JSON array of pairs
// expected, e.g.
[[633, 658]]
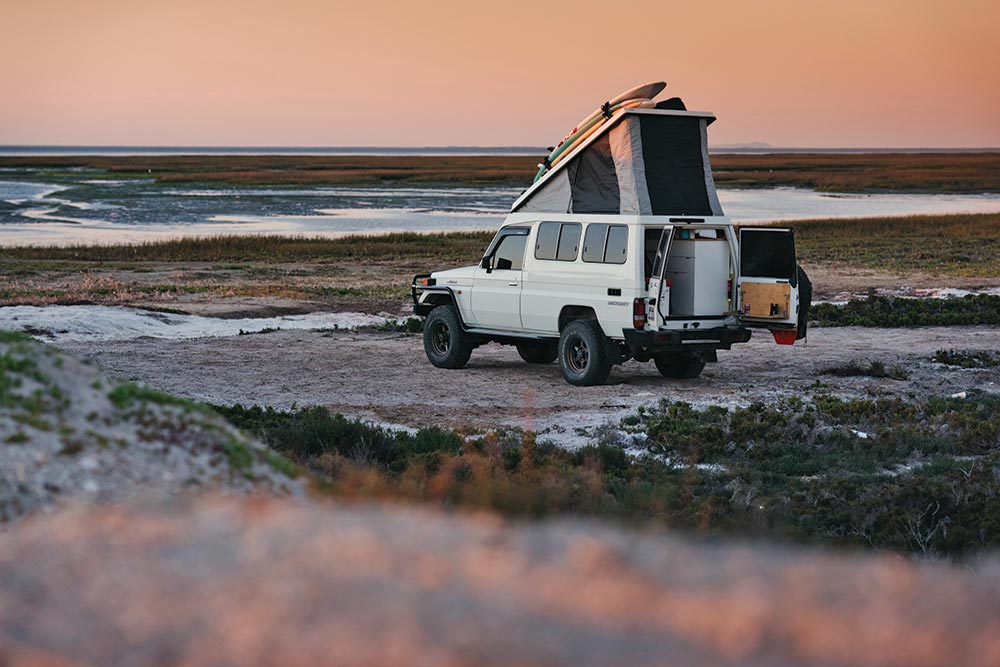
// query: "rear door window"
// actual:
[[767, 253]]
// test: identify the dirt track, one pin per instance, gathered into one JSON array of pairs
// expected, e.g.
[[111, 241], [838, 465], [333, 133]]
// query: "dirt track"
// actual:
[[386, 377]]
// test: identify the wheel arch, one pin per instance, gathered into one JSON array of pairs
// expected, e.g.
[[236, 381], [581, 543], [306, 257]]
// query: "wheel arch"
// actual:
[[439, 297], [570, 313]]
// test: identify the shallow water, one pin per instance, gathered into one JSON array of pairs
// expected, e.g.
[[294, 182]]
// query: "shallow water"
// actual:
[[87, 209]]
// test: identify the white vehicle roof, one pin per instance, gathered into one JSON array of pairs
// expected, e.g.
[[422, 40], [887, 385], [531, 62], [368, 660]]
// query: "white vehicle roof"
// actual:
[[519, 219]]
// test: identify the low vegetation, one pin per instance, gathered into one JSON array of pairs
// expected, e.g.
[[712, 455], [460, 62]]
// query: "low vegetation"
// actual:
[[875, 369], [292, 169], [888, 311], [913, 477], [862, 172], [951, 245], [457, 246], [955, 245], [937, 172], [967, 359]]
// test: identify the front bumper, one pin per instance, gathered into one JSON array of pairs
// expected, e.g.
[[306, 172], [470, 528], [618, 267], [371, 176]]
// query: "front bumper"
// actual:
[[677, 340]]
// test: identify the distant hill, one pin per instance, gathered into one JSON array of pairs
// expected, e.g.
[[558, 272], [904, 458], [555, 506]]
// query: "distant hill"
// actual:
[[752, 146]]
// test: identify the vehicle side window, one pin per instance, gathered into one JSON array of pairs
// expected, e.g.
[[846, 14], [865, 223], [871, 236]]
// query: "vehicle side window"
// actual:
[[569, 242], [547, 240], [558, 240], [593, 243], [509, 253], [607, 244], [617, 247]]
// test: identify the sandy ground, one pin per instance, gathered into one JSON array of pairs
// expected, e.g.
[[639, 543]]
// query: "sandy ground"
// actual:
[[387, 378]]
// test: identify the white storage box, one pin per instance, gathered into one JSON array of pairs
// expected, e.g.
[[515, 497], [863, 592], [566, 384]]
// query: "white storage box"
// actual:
[[699, 273]]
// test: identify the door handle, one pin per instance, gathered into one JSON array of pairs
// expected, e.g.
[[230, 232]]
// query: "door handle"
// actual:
[[512, 284]]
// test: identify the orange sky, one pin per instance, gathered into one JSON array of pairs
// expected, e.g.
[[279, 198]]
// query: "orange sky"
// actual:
[[512, 72]]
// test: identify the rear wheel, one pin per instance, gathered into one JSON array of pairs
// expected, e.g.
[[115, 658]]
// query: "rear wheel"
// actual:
[[445, 343], [680, 366], [538, 353], [583, 358]]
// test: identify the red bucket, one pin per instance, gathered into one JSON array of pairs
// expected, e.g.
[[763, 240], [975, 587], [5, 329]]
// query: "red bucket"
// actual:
[[785, 336]]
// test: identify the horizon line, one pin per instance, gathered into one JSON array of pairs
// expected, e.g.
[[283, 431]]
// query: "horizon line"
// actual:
[[748, 145]]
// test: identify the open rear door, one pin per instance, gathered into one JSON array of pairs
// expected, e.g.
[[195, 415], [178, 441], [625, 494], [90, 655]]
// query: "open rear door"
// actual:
[[658, 305], [767, 283]]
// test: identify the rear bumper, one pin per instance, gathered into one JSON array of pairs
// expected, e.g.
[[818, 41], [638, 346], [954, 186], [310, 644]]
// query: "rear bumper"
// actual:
[[718, 338]]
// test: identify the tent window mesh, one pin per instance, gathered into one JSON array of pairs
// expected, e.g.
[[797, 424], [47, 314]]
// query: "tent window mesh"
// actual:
[[675, 173]]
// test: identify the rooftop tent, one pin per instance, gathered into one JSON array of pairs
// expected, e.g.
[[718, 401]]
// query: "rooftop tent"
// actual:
[[643, 162]]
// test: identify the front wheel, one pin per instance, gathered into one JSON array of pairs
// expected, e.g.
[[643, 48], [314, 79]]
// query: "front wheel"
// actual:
[[583, 357], [538, 353], [445, 342], [679, 366]]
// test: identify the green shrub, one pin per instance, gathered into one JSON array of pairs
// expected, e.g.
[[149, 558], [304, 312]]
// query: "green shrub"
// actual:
[[967, 359], [909, 476], [888, 311]]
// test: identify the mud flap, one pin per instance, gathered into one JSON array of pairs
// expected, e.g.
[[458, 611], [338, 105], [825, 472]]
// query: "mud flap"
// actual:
[[616, 351]]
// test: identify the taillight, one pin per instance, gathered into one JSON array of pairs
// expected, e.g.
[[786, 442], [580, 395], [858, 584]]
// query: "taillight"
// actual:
[[639, 313]]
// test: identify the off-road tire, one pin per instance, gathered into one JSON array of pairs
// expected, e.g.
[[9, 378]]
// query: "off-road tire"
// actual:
[[679, 366], [583, 356], [538, 353], [445, 342]]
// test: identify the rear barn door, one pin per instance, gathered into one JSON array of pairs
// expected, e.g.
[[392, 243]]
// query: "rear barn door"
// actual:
[[658, 305], [767, 283]]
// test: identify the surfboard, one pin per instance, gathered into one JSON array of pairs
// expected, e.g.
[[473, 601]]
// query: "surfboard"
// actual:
[[578, 138], [641, 93]]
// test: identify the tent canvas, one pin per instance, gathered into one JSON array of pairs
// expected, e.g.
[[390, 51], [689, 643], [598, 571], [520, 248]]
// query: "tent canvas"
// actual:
[[644, 162]]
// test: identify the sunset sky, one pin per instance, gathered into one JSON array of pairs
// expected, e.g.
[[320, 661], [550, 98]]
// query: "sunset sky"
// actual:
[[885, 73]]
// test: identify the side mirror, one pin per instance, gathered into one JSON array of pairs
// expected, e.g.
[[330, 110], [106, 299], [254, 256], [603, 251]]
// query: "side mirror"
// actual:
[[485, 264]]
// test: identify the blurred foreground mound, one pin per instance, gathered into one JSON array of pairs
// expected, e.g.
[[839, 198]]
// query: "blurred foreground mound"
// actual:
[[67, 430], [242, 581]]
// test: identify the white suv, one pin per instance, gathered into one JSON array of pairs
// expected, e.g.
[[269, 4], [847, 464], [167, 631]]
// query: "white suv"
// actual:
[[597, 290]]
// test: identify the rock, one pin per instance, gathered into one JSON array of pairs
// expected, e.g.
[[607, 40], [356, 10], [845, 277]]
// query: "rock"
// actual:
[[67, 429], [242, 581]]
